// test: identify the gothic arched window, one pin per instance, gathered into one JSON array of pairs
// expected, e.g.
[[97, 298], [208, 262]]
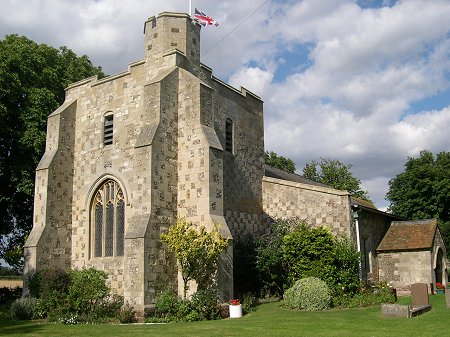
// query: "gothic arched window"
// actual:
[[108, 220]]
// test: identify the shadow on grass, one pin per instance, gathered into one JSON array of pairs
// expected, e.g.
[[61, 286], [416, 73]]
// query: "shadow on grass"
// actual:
[[19, 328]]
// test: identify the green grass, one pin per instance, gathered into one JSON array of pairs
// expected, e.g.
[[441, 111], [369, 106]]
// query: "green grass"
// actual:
[[268, 320]]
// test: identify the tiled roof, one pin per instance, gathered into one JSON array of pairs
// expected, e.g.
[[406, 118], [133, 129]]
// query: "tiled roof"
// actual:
[[272, 172], [409, 235], [364, 203]]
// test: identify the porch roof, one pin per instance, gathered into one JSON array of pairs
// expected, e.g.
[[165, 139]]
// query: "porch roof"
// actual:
[[409, 235]]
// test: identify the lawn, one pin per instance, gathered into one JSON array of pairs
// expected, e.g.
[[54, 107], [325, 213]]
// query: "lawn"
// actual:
[[268, 320]]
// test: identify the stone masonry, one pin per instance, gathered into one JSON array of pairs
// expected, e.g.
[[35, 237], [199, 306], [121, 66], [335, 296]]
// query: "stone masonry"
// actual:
[[169, 157], [316, 205], [128, 154]]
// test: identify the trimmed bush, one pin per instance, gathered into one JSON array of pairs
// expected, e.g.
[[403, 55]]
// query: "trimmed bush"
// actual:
[[309, 293], [23, 308]]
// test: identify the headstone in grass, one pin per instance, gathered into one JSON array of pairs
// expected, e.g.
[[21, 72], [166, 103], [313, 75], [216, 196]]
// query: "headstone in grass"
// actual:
[[447, 297], [419, 294]]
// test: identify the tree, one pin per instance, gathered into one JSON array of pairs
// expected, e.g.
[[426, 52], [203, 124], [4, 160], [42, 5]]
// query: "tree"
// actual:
[[32, 81], [336, 174], [423, 190], [280, 162], [196, 250]]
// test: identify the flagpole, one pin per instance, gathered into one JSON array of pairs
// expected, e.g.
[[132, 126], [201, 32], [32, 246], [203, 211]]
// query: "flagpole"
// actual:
[[190, 8]]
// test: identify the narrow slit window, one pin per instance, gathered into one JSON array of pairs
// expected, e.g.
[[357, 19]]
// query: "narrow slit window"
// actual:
[[229, 135], [108, 130]]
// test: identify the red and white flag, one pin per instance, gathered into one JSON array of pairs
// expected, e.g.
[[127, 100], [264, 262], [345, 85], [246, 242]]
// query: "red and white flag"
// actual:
[[204, 19]]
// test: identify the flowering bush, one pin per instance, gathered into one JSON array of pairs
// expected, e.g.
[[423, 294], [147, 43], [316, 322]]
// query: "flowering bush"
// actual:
[[235, 302], [375, 294], [439, 285]]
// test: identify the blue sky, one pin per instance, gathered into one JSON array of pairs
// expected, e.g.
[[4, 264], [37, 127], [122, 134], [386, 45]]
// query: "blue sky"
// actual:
[[366, 82]]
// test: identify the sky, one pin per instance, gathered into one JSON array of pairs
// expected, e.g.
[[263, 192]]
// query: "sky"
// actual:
[[366, 82]]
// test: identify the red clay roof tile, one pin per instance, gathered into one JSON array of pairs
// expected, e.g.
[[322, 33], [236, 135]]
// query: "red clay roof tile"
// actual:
[[409, 235]]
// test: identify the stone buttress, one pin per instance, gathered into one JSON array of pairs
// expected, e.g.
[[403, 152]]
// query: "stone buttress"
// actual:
[[128, 154]]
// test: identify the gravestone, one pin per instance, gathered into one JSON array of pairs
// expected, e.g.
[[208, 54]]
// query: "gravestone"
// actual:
[[447, 297], [420, 304], [419, 294]]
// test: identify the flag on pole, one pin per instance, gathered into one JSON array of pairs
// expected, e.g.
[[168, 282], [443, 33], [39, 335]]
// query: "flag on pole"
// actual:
[[204, 19]]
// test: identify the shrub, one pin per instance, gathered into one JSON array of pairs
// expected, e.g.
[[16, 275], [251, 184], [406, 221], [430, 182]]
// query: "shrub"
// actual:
[[309, 293], [309, 252], [167, 304], [347, 260], [126, 315], [112, 305], [88, 293], [73, 297], [248, 303], [8, 295], [23, 308], [50, 286], [272, 272], [368, 296], [206, 303]]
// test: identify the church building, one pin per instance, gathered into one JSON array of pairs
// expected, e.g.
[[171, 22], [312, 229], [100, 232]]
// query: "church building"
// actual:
[[128, 154]]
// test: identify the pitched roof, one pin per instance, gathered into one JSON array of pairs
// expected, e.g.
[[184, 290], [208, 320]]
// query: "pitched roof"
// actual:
[[363, 203], [272, 172], [409, 235]]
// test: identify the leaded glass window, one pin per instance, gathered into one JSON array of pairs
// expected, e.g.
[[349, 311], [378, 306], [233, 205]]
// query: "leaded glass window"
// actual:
[[108, 220], [229, 135], [120, 233]]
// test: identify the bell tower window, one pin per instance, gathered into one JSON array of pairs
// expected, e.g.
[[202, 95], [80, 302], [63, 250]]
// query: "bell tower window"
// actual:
[[108, 130]]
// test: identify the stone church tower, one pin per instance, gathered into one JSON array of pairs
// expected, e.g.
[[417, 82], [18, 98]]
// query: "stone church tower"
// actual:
[[128, 154]]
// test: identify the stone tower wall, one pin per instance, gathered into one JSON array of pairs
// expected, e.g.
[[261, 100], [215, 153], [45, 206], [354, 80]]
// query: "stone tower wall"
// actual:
[[167, 156], [122, 96], [49, 243], [243, 167]]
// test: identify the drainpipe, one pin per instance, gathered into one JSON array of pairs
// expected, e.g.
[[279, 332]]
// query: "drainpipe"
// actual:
[[355, 214]]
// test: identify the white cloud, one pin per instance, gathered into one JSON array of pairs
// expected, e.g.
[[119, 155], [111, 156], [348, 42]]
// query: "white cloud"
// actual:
[[256, 80], [366, 67]]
